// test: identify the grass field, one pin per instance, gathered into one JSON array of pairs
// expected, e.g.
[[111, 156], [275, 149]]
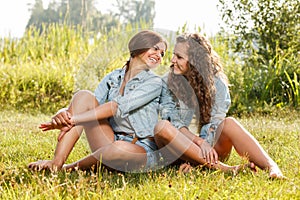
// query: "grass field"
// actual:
[[22, 142]]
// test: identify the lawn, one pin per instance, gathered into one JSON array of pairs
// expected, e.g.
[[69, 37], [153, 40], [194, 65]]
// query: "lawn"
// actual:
[[21, 142]]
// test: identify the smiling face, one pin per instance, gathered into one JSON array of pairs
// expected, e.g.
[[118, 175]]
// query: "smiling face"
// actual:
[[180, 59], [152, 57]]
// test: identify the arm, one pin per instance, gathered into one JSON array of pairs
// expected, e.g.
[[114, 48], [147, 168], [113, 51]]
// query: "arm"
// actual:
[[103, 111], [210, 154], [62, 119], [222, 100]]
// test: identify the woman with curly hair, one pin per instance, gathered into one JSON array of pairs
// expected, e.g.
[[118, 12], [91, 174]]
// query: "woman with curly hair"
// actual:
[[199, 84]]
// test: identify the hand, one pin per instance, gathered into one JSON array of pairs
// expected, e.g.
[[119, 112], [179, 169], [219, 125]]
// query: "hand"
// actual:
[[208, 152], [62, 118], [49, 126], [62, 121]]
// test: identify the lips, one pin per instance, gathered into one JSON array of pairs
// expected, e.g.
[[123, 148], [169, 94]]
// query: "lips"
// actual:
[[153, 60]]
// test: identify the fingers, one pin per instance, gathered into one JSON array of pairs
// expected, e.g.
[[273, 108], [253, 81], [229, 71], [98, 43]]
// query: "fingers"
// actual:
[[63, 132], [46, 126], [61, 135], [209, 154], [43, 165], [62, 119], [37, 166]]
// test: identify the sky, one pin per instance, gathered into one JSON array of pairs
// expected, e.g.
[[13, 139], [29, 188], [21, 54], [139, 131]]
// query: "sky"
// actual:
[[170, 15]]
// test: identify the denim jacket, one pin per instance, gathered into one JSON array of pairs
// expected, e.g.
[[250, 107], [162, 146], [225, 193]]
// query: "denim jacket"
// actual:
[[140, 103], [169, 109], [219, 109]]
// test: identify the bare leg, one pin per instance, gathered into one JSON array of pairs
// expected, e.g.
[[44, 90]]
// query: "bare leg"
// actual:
[[234, 134], [119, 155], [82, 101], [173, 145]]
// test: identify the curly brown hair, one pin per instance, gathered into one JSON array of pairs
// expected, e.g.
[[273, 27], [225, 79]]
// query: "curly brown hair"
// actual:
[[197, 88]]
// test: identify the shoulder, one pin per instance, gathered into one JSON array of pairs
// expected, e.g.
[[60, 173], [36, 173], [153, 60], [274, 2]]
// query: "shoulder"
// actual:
[[150, 75], [221, 81], [165, 77], [116, 72]]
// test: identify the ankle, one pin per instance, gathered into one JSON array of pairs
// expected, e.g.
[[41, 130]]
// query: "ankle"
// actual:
[[57, 163]]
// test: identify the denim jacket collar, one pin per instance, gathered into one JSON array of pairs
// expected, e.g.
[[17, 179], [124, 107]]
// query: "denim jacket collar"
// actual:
[[140, 76]]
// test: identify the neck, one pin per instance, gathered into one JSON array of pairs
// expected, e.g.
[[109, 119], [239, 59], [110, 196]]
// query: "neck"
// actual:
[[135, 66]]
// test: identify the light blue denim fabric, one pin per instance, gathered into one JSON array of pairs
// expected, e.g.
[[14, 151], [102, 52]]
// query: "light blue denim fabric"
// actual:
[[218, 113], [149, 146], [168, 106], [139, 104]]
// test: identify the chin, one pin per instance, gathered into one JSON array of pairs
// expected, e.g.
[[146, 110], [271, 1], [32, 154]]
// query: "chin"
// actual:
[[152, 66], [177, 72]]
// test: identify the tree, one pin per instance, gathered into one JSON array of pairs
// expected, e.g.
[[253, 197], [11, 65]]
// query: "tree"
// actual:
[[85, 14], [71, 12], [265, 35], [135, 11], [265, 25]]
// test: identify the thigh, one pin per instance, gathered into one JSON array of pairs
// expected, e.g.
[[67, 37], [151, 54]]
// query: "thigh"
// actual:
[[223, 144], [99, 134], [150, 151], [123, 156]]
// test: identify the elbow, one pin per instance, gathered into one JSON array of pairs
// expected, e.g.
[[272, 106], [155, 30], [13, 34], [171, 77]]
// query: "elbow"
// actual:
[[114, 107]]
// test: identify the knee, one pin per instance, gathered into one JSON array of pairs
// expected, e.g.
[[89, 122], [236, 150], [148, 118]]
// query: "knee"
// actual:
[[162, 128], [83, 94], [229, 121], [85, 97]]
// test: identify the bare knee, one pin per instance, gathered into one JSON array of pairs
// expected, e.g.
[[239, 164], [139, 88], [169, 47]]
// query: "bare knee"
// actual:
[[230, 120], [228, 124], [161, 127], [83, 94], [85, 98]]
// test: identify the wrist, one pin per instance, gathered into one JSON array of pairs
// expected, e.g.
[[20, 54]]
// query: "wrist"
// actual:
[[199, 141], [62, 110], [72, 120]]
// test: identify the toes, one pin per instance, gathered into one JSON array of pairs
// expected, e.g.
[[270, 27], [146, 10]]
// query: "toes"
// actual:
[[275, 173]]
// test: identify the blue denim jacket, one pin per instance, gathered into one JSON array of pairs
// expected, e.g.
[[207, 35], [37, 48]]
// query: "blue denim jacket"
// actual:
[[169, 109], [219, 110], [218, 113], [140, 103]]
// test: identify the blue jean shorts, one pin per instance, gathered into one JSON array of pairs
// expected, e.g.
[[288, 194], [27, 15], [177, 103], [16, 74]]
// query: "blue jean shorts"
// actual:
[[209, 133], [149, 146]]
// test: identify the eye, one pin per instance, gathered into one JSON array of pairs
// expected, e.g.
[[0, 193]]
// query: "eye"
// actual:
[[156, 48], [178, 56], [162, 54]]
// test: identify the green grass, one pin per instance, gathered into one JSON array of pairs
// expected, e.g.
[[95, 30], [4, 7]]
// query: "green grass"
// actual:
[[22, 142]]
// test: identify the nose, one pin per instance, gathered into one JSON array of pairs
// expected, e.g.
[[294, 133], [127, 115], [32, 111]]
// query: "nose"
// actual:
[[173, 60]]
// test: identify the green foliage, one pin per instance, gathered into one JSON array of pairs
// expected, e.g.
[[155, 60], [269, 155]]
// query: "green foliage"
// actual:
[[41, 71], [262, 26], [134, 11], [83, 13], [22, 142], [37, 71], [262, 42]]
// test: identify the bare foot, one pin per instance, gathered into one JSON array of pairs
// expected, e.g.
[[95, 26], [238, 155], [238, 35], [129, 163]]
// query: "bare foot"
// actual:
[[236, 169], [43, 165], [275, 173], [185, 168]]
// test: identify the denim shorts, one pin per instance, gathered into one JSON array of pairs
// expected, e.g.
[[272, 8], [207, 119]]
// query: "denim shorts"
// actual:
[[149, 146], [209, 133]]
